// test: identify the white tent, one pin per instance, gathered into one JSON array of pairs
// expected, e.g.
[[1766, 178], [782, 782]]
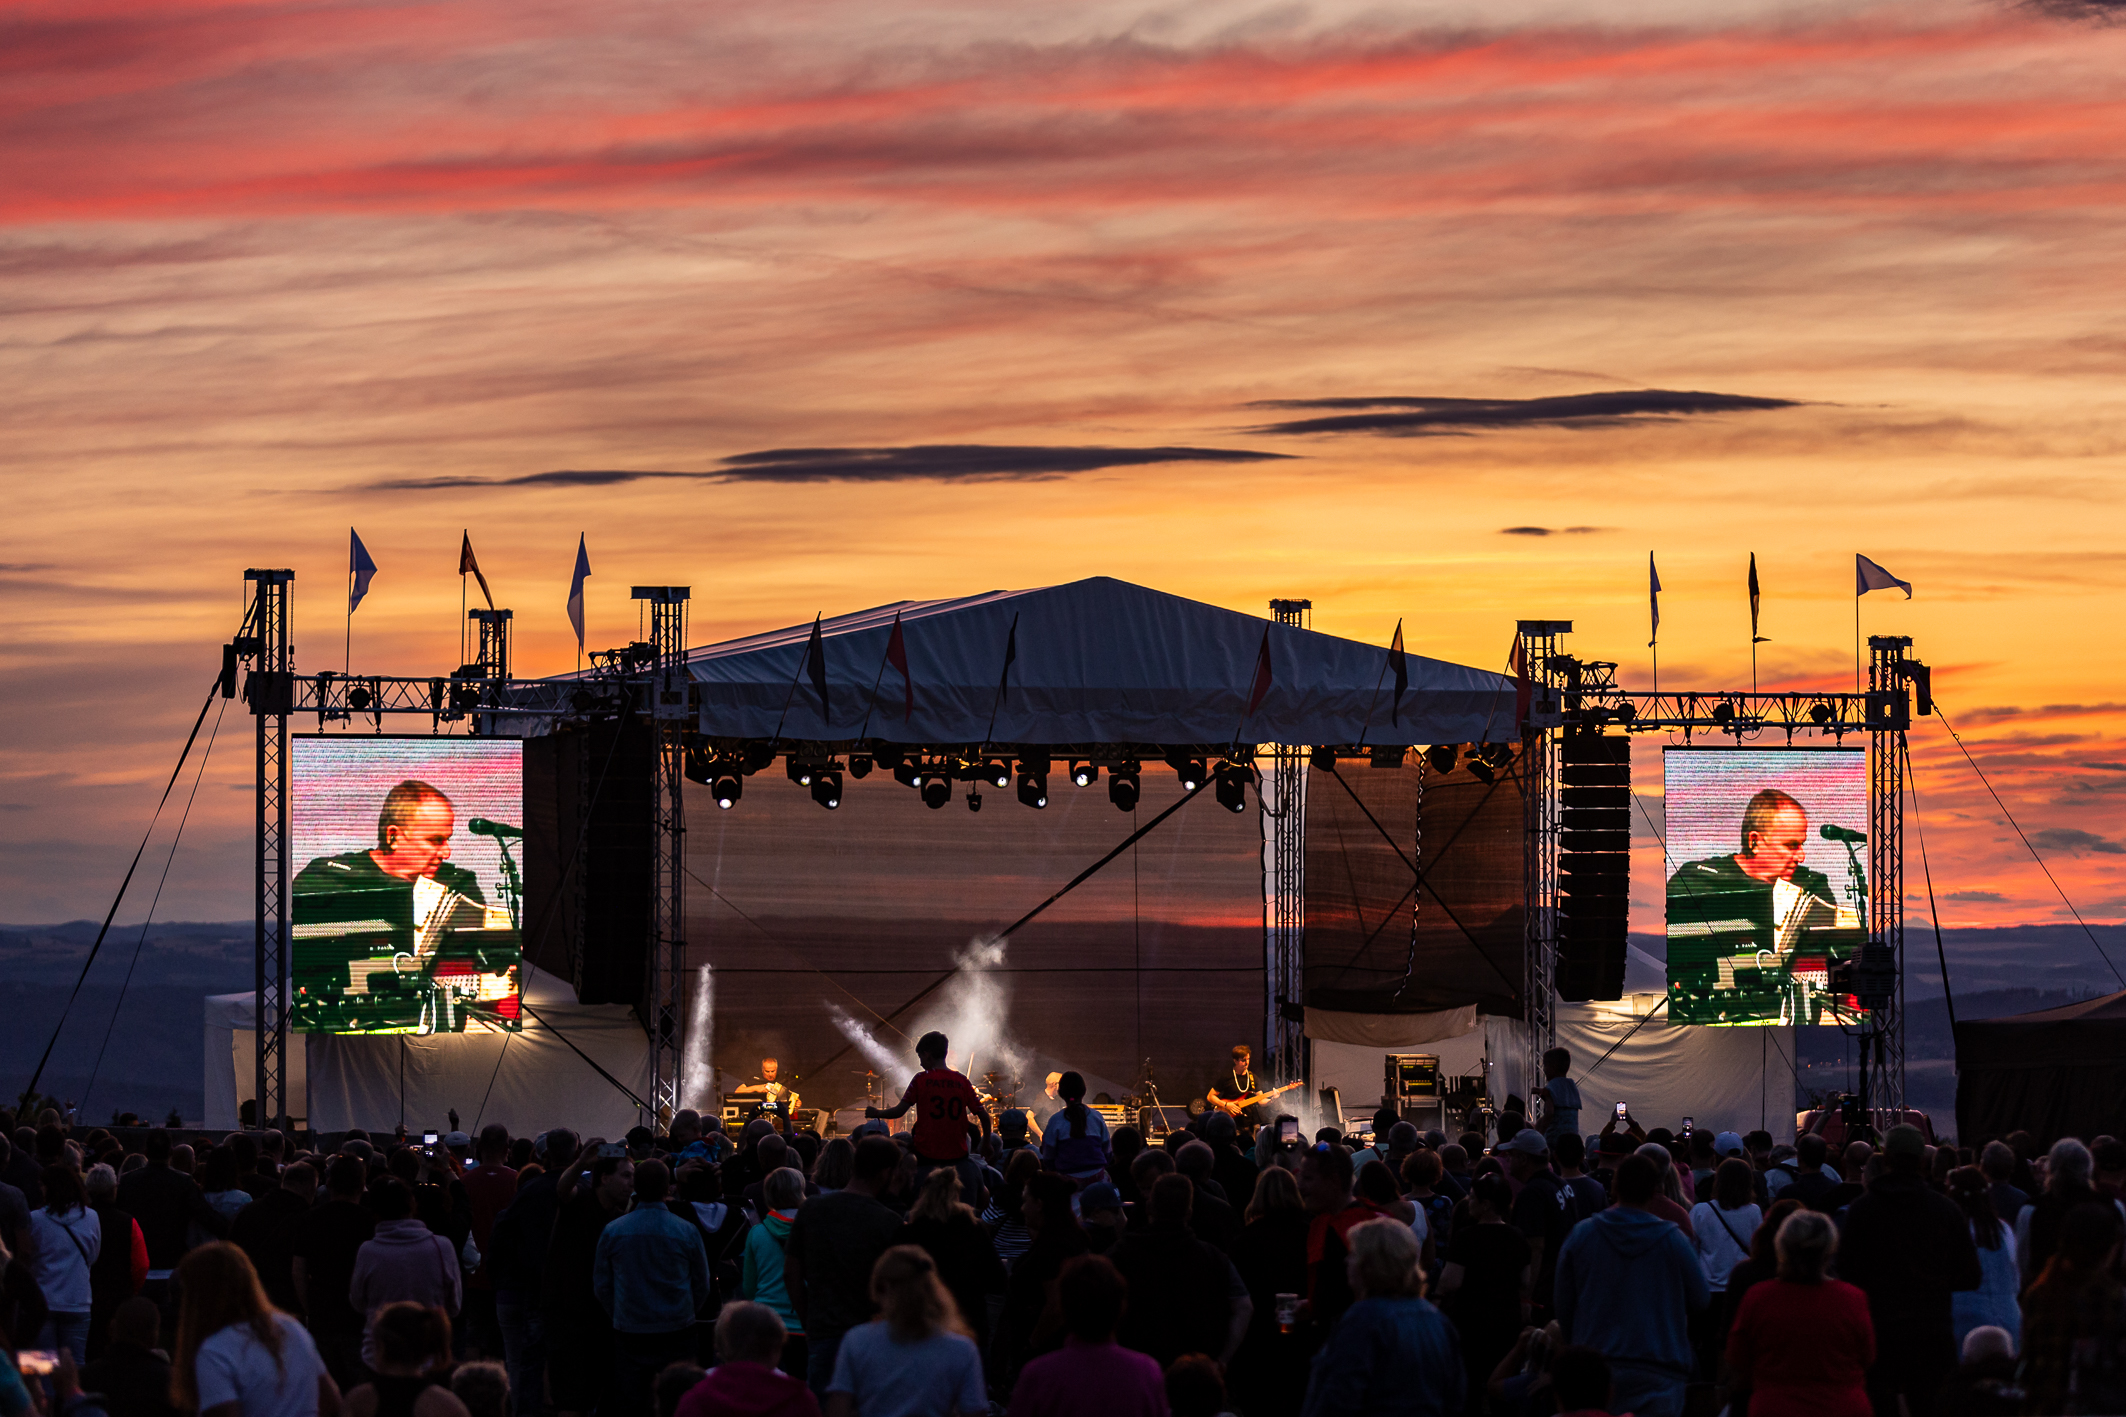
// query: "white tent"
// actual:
[[1094, 661], [528, 1081]]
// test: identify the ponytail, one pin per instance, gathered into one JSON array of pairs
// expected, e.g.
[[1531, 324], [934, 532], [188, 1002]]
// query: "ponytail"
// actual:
[[1071, 1088]]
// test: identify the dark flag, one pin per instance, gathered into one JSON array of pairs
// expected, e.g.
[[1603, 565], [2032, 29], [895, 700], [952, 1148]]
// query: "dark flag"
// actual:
[[468, 562], [816, 663], [1755, 638], [360, 569], [897, 656], [1262, 673], [1401, 666]]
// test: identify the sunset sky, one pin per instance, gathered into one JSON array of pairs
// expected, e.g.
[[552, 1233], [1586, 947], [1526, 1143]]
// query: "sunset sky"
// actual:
[[819, 304]]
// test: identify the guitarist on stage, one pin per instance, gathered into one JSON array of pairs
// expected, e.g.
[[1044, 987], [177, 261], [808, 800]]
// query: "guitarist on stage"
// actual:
[[1237, 1084]]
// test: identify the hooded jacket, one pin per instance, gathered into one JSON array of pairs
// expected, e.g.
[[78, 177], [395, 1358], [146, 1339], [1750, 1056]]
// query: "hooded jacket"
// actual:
[[1627, 1281], [748, 1390], [762, 1281], [406, 1260]]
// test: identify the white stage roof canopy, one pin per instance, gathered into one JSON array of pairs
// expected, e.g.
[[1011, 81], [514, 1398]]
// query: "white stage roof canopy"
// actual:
[[1097, 661]]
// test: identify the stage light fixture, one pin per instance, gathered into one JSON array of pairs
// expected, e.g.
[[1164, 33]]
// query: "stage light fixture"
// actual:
[[996, 774], [888, 756], [1085, 774], [760, 753], [1819, 713], [1122, 787], [1232, 788], [1193, 772], [1495, 755], [974, 801], [728, 788], [937, 791], [1625, 712], [827, 788], [1481, 770], [908, 774], [1033, 791], [1723, 713], [1323, 759], [359, 698], [1443, 756], [859, 765]]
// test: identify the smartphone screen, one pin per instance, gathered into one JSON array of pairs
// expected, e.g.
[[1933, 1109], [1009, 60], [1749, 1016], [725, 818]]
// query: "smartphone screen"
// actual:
[[1686, 1124], [1620, 1112], [1288, 1129], [36, 1362], [430, 1138]]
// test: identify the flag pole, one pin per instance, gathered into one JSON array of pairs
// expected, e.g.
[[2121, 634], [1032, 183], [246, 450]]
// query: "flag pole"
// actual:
[[347, 666], [795, 675], [872, 707]]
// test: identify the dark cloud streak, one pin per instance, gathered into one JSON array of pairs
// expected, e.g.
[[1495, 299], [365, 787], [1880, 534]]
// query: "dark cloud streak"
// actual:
[[1417, 417], [936, 462]]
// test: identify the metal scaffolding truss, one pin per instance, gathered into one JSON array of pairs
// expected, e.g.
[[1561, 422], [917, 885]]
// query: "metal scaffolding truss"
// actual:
[[671, 711], [1282, 799], [1547, 673], [268, 691]]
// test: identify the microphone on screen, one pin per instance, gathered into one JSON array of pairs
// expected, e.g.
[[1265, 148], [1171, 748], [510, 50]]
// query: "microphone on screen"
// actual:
[[480, 826], [1827, 831]]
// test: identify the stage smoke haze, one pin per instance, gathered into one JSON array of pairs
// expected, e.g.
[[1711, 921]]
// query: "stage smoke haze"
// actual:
[[697, 1078], [973, 1010], [882, 1060]]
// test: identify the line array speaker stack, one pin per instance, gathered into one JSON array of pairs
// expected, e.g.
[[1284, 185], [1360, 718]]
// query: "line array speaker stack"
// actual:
[[1594, 865]]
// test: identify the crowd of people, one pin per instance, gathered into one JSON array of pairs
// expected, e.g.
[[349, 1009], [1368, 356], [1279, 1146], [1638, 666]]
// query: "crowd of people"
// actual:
[[949, 1268]]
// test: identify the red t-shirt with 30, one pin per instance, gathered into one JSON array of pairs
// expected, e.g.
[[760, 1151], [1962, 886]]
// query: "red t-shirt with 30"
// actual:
[[942, 1101]]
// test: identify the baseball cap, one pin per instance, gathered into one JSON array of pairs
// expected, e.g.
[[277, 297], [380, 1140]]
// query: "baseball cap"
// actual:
[[1529, 1142], [1100, 1195], [1905, 1140], [1727, 1144], [457, 1141]]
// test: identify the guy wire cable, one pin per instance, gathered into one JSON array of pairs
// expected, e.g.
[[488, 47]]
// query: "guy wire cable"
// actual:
[[206, 754], [1938, 713]]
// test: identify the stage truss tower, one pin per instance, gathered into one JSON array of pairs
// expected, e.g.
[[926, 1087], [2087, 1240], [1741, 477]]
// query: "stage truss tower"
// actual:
[[1285, 804], [1881, 977], [1547, 673], [671, 701], [270, 691]]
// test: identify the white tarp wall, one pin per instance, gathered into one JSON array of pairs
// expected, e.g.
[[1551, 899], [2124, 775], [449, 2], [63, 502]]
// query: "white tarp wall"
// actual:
[[232, 1061], [1723, 1079], [528, 1081]]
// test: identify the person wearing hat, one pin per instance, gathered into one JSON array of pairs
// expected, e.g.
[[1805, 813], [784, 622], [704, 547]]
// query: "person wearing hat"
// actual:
[[1535, 1206], [1908, 1248]]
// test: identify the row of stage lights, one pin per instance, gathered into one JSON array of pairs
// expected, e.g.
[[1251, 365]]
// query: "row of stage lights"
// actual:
[[725, 774]]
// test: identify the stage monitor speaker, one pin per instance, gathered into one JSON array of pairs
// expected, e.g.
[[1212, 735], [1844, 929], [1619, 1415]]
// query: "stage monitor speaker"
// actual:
[[1594, 865], [1412, 1077]]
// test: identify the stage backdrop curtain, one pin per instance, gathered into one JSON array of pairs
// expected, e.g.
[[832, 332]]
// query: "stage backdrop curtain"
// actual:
[[1390, 1032], [529, 1081], [1363, 839], [815, 925], [2054, 1073]]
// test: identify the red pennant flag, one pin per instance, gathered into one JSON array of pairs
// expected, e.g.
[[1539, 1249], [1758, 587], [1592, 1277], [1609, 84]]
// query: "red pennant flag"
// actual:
[[467, 562], [1262, 672], [897, 656]]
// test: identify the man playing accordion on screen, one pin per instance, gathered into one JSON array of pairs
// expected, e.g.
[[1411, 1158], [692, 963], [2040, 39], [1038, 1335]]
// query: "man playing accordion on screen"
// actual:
[[396, 936], [1747, 933]]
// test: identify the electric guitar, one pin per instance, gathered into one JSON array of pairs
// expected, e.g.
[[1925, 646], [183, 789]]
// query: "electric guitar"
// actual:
[[1234, 1106]]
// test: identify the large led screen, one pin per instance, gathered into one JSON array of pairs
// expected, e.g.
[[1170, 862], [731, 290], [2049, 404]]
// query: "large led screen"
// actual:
[[1767, 882], [408, 893]]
